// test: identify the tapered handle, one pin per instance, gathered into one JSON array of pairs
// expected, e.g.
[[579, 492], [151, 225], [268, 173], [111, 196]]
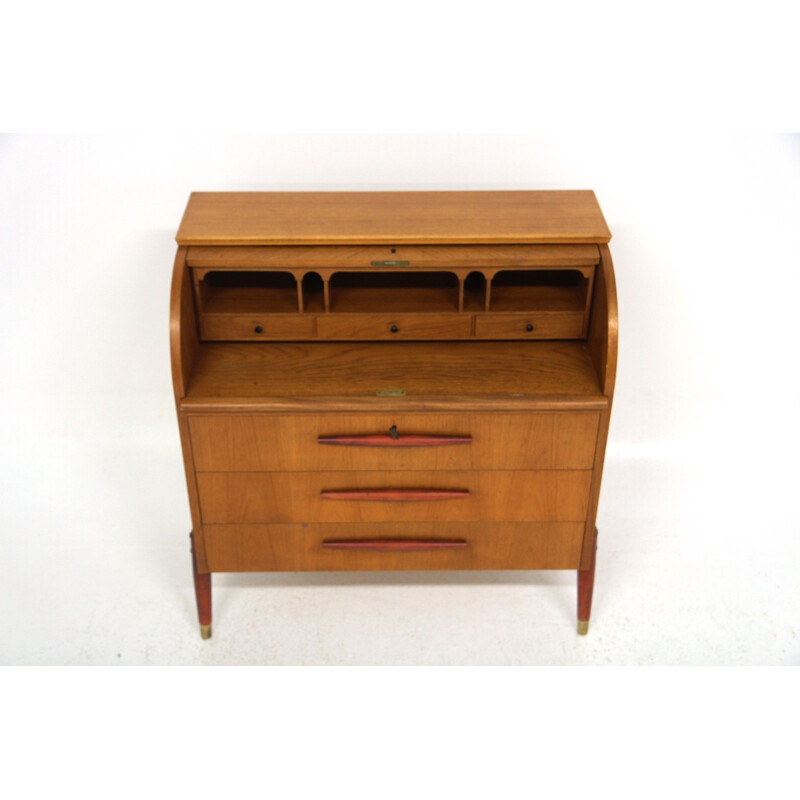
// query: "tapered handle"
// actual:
[[394, 494], [394, 544], [396, 440]]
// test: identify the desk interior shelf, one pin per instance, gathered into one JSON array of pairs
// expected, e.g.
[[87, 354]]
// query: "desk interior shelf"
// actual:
[[253, 292], [539, 290], [393, 292], [405, 302]]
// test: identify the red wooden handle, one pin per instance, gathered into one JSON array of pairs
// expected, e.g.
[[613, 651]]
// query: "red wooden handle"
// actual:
[[401, 440], [394, 544], [394, 494]]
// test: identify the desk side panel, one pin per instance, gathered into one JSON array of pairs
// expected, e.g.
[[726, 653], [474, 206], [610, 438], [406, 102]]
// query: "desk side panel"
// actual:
[[184, 350], [603, 351]]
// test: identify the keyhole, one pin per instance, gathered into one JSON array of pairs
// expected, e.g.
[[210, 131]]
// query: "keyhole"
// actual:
[[393, 432]]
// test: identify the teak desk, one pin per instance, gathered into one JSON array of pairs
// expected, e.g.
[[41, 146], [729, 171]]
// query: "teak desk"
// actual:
[[393, 381]]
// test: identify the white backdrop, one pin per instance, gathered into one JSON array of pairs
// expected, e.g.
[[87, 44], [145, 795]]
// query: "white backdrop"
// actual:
[[699, 522]]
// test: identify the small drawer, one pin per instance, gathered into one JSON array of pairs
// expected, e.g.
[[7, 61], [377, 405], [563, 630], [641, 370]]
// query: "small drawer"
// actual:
[[392, 546], [397, 326], [347, 442], [438, 496], [536, 325], [252, 327]]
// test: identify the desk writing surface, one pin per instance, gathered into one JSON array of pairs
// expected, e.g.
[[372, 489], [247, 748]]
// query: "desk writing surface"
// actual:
[[359, 369]]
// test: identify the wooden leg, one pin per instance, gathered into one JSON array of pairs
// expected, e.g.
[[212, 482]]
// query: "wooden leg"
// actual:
[[202, 591], [585, 590]]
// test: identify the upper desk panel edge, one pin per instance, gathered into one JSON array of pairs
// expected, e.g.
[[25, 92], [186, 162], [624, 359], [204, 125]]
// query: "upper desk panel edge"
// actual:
[[456, 217]]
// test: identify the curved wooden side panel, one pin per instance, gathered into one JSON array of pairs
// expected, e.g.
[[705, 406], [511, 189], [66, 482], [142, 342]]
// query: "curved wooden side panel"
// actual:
[[603, 334], [183, 338], [184, 344], [603, 325]]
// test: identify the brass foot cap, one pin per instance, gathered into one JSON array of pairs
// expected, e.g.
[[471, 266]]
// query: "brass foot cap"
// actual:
[[205, 631], [583, 627]]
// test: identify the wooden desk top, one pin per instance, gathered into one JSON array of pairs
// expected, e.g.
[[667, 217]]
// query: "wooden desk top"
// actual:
[[305, 218]]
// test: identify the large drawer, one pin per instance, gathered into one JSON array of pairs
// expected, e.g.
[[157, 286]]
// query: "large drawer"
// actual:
[[253, 442], [500, 545], [448, 496]]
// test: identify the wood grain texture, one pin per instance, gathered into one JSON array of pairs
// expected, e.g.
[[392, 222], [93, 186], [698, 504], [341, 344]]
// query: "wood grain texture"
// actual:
[[393, 327], [441, 256], [391, 303], [184, 350], [530, 325], [604, 324], [261, 548], [350, 404], [603, 348], [324, 370], [290, 443], [392, 218], [538, 298], [191, 487], [202, 589], [184, 340], [247, 300], [394, 299], [372, 327], [252, 412], [494, 496], [586, 584], [256, 328]]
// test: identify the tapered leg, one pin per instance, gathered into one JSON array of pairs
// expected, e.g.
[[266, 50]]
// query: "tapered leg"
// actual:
[[585, 590], [202, 591]]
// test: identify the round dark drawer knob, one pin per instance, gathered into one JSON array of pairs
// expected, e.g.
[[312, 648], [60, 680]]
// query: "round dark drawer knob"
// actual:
[[258, 329], [529, 327], [394, 329]]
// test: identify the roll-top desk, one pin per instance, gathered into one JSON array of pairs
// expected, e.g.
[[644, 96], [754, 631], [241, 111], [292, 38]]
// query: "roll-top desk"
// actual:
[[393, 381]]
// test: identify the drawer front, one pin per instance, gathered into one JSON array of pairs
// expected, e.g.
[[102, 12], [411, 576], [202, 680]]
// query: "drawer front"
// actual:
[[514, 545], [266, 442], [537, 325], [245, 327], [469, 496], [389, 326]]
